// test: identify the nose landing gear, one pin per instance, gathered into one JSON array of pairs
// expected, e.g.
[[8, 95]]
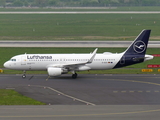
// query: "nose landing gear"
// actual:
[[24, 74]]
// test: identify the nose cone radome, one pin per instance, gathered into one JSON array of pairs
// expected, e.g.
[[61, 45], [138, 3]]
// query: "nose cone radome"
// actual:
[[6, 65]]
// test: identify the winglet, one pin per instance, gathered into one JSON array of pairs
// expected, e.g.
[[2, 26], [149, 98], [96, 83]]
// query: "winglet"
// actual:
[[93, 55]]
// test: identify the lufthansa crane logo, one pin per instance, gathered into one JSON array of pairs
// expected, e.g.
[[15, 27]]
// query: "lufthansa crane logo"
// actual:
[[139, 46]]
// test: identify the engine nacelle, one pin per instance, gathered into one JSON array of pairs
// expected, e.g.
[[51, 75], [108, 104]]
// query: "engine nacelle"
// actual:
[[82, 68], [54, 71]]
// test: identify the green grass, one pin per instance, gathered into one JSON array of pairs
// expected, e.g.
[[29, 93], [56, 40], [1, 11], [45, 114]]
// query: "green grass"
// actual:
[[139, 8], [77, 26], [112, 71], [11, 97], [7, 53], [121, 71]]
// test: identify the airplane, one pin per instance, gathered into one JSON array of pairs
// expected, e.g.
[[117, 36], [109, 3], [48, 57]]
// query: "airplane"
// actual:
[[58, 64]]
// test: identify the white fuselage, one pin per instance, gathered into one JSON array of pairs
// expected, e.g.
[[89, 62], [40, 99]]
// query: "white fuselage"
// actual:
[[43, 61]]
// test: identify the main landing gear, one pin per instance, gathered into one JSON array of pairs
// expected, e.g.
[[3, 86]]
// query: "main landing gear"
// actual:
[[74, 76]]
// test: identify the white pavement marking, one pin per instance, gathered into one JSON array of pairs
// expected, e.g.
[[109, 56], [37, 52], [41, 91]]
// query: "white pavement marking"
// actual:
[[131, 91], [139, 91], [156, 91], [148, 91], [60, 93], [123, 91], [88, 103], [115, 91]]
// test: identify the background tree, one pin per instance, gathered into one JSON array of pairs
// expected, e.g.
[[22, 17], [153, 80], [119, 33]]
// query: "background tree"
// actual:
[[52, 2], [82, 3], [41, 3], [18, 3], [3, 3]]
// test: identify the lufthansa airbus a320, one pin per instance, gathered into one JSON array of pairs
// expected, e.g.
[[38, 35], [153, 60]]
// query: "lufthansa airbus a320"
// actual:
[[58, 64]]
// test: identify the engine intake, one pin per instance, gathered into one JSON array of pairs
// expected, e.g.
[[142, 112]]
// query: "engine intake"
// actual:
[[54, 71]]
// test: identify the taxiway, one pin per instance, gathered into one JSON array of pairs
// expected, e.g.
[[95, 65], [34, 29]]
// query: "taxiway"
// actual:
[[104, 89], [152, 44], [114, 97]]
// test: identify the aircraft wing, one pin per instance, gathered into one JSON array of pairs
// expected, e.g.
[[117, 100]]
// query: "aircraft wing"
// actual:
[[74, 66]]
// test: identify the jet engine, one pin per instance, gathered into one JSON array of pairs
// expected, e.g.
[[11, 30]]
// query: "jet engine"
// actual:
[[54, 71]]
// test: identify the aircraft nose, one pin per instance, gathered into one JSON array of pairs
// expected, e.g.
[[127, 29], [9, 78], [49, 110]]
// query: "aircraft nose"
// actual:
[[6, 64]]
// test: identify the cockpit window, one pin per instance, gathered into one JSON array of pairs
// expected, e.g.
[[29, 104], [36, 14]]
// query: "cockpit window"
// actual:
[[12, 59]]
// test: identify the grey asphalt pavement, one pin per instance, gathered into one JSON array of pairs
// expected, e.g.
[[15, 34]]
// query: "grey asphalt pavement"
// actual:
[[152, 44], [90, 97]]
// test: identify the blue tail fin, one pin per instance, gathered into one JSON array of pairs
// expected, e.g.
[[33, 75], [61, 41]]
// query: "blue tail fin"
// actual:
[[139, 45], [135, 53]]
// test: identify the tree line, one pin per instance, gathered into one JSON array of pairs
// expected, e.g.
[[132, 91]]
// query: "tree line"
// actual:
[[77, 3]]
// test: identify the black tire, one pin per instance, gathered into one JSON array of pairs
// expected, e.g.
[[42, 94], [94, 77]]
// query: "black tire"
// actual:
[[23, 76], [74, 76]]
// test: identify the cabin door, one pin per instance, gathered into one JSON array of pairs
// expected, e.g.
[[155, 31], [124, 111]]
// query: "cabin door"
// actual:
[[23, 60]]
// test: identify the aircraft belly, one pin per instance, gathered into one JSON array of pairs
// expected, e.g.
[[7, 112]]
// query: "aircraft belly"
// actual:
[[38, 67], [32, 66]]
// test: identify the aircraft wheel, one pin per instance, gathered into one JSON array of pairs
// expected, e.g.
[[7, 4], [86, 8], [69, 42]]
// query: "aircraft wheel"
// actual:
[[74, 76], [23, 76]]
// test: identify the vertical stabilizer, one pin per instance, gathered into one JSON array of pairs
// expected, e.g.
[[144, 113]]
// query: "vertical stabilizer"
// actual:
[[135, 53], [139, 45]]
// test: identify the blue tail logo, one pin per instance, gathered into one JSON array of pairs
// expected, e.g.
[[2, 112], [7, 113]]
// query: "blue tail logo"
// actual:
[[139, 47]]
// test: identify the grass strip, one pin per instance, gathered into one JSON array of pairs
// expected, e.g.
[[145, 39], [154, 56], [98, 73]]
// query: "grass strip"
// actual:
[[11, 97], [77, 26]]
